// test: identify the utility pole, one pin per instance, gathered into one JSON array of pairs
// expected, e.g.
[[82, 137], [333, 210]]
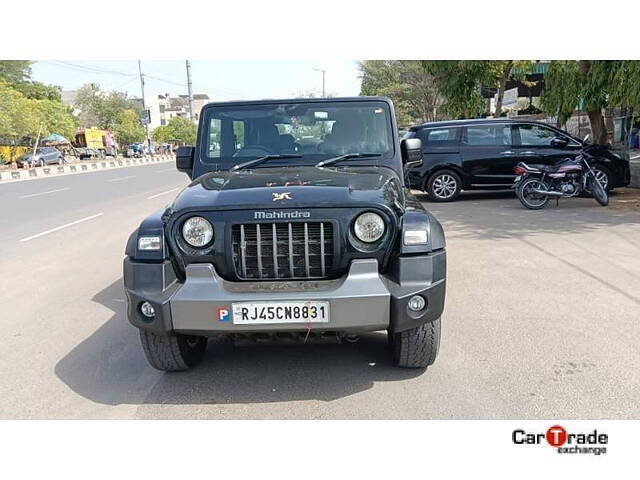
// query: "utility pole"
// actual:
[[323, 75], [144, 107], [190, 91]]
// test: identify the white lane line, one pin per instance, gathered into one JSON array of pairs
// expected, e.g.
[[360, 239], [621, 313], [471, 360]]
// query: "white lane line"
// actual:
[[61, 227], [121, 178], [162, 193], [45, 193], [173, 169]]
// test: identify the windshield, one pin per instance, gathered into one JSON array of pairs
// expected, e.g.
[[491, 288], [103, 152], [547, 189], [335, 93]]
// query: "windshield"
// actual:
[[303, 132]]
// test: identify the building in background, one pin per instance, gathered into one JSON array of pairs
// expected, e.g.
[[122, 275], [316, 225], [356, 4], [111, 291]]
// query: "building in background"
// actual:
[[163, 108]]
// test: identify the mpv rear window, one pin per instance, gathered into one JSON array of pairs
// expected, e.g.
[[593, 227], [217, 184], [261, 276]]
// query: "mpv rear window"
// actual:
[[488, 135], [439, 137]]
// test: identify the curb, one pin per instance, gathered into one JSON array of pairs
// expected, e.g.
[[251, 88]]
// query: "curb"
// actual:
[[80, 167]]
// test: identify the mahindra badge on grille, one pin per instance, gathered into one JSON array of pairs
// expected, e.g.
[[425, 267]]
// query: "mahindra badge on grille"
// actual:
[[281, 196]]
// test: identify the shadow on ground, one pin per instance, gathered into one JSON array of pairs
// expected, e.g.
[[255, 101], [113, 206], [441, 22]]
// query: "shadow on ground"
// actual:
[[109, 368], [499, 215]]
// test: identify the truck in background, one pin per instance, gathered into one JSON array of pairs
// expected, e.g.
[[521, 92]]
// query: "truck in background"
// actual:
[[94, 142]]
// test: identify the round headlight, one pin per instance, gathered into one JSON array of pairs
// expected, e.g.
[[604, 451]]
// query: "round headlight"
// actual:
[[197, 232], [369, 227]]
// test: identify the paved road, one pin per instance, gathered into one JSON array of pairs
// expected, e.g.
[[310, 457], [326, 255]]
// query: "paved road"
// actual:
[[542, 319]]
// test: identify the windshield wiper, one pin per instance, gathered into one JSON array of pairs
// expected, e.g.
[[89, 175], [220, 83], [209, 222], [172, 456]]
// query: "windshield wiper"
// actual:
[[259, 160], [346, 156]]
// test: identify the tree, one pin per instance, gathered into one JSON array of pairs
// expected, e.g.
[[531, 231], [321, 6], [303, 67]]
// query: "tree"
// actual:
[[56, 118], [460, 83], [589, 85], [40, 91], [21, 118], [15, 71], [161, 134], [408, 83], [178, 130], [128, 129], [99, 108]]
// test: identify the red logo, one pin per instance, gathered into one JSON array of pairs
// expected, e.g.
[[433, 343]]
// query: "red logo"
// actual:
[[556, 436]]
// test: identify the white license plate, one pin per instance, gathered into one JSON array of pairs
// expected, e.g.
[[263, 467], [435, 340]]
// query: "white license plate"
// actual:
[[247, 313]]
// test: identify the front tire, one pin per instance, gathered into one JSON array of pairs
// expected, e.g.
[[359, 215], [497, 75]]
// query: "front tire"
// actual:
[[172, 352], [416, 347], [444, 186], [604, 177]]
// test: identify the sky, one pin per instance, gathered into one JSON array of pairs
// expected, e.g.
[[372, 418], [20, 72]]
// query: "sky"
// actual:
[[221, 80]]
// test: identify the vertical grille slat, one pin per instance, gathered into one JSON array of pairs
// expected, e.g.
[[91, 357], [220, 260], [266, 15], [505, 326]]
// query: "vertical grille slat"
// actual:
[[243, 250], [306, 250], [322, 249], [292, 271], [283, 250], [259, 249], [274, 241]]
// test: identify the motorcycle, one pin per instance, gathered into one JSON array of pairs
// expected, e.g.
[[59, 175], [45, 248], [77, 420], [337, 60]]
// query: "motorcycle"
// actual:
[[535, 185]]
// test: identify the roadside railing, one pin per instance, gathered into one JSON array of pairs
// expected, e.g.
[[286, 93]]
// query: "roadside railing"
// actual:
[[80, 167]]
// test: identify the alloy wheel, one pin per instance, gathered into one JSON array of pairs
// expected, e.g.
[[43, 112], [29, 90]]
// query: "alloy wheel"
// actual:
[[444, 186]]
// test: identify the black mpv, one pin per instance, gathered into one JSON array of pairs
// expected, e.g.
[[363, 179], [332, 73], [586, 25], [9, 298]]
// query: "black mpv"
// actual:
[[480, 154]]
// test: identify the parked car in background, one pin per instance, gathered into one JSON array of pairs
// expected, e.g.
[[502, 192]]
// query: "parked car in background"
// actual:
[[481, 154], [44, 156]]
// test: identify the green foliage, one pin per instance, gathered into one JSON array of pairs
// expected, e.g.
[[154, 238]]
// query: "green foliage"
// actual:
[[562, 90], [161, 134], [591, 85], [179, 130], [460, 82], [101, 109], [22, 118], [625, 84], [408, 83], [40, 91], [56, 118], [15, 71], [128, 129]]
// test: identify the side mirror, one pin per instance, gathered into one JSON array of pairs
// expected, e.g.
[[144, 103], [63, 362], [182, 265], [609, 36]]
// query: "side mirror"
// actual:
[[586, 138], [411, 150], [559, 142], [184, 159]]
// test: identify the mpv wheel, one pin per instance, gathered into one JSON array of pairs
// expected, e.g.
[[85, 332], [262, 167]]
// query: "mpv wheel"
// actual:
[[444, 186]]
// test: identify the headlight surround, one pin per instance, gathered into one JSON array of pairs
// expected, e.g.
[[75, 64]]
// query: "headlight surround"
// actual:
[[369, 227], [197, 232]]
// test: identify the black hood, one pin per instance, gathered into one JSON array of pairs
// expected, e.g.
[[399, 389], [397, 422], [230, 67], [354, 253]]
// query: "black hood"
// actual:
[[293, 187]]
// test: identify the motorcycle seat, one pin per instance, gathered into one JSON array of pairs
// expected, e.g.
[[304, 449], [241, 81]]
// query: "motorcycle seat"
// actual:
[[565, 165]]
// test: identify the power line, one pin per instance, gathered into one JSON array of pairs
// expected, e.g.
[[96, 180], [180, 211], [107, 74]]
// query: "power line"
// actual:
[[90, 69]]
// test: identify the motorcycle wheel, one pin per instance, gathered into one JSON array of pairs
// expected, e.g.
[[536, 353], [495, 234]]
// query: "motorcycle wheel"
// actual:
[[599, 193], [530, 199]]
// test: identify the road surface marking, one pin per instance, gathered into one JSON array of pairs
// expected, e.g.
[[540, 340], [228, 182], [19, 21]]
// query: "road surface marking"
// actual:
[[61, 227], [45, 193], [121, 178], [163, 193], [172, 169]]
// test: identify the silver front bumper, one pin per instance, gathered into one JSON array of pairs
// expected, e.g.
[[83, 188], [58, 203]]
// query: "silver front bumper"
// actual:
[[359, 301]]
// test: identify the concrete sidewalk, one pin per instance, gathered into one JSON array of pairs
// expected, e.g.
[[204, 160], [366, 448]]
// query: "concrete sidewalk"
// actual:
[[80, 167]]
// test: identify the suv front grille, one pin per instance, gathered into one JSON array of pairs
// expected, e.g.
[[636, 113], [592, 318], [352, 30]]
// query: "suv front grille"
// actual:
[[284, 250]]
